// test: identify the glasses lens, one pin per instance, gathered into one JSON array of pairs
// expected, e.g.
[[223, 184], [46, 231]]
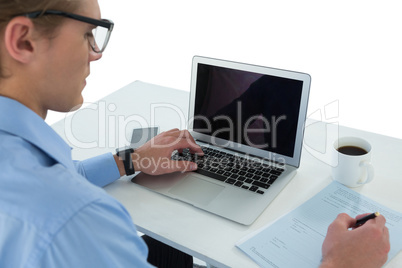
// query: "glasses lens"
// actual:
[[100, 38]]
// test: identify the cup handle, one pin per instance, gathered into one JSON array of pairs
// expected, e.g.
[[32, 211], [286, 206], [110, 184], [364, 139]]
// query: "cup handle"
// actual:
[[370, 171]]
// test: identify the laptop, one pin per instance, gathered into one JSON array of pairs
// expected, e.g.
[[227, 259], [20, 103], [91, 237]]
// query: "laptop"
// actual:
[[249, 120]]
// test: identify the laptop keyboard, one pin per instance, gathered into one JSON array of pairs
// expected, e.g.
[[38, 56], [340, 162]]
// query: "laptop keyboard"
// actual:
[[246, 174]]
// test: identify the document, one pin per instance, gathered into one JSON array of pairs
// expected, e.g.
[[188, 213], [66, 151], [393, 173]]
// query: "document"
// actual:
[[295, 239]]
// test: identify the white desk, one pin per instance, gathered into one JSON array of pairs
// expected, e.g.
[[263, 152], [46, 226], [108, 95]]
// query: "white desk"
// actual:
[[108, 124]]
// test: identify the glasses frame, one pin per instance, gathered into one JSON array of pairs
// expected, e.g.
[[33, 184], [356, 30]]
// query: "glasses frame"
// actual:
[[102, 23]]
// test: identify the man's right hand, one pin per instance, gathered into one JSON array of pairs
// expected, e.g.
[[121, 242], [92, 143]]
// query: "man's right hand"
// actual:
[[366, 246]]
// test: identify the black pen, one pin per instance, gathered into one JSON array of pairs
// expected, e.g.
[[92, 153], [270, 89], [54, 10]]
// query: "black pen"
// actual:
[[363, 220]]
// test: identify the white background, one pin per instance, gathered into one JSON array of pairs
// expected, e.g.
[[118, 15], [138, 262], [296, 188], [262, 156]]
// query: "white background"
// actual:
[[352, 50]]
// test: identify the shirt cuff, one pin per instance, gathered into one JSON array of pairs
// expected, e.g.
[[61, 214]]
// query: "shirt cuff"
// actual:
[[101, 170]]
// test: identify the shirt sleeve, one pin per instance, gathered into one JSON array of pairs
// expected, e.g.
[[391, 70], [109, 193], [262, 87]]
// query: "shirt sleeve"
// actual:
[[100, 235], [99, 170]]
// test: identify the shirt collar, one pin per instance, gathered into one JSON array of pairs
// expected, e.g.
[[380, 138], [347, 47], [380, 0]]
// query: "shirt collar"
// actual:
[[19, 120]]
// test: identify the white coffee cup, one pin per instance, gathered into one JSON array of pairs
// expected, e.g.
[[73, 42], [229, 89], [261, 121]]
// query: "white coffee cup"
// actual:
[[352, 161]]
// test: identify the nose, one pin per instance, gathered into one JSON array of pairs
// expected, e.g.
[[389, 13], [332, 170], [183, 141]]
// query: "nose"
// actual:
[[93, 56]]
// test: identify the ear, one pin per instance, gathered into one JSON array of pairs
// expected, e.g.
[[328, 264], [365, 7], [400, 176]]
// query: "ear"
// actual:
[[18, 39]]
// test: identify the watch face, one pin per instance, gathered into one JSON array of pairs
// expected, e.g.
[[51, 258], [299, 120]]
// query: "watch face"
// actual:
[[125, 156]]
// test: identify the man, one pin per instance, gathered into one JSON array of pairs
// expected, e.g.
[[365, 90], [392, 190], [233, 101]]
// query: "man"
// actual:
[[53, 212]]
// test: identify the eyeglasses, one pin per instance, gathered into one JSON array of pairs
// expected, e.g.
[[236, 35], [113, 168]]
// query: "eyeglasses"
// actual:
[[100, 35]]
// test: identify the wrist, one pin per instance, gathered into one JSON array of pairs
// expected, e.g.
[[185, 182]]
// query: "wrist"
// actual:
[[135, 158], [120, 165]]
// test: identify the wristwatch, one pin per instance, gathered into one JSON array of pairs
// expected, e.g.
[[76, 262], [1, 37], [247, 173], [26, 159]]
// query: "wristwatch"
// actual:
[[125, 155]]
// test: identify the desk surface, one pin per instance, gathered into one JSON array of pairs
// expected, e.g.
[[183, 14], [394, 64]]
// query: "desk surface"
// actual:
[[107, 124]]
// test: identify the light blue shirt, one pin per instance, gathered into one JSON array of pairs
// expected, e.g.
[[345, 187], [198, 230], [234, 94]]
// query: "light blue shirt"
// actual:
[[53, 212]]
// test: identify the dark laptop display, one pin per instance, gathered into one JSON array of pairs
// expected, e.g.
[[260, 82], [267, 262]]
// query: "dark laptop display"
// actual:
[[247, 108]]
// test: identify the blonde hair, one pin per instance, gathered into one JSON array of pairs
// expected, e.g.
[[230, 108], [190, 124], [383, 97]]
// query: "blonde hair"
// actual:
[[46, 24]]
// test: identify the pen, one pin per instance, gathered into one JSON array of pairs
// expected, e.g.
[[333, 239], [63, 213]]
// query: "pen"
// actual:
[[363, 220]]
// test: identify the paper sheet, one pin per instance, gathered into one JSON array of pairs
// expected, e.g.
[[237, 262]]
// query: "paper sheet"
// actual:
[[295, 239]]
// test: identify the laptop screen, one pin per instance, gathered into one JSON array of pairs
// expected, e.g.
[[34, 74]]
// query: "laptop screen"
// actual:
[[253, 109]]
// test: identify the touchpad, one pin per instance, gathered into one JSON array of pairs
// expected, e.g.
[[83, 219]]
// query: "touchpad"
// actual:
[[196, 190]]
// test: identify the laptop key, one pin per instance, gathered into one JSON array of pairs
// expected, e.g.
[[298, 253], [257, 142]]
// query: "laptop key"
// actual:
[[235, 176], [235, 171], [238, 183], [266, 170], [211, 174], [227, 168], [257, 178], [253, 188], [239, 178], [249, 175], [230, 181], [249, 180], [275, 172], [260, 184], [273, 178]]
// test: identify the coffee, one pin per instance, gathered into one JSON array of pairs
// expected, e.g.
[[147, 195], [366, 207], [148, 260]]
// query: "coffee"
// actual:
[[351, 164], [352, 150]]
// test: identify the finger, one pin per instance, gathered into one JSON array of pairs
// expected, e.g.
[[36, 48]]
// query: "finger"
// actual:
[[344, 221], [184, 143], [386, 239], [386, 233], [361, 215], [380, 220], [194, 147], [386, 247], [180, 139]]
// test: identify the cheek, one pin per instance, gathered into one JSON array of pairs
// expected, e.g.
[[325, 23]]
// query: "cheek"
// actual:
[[76, 68], [77, 55]]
